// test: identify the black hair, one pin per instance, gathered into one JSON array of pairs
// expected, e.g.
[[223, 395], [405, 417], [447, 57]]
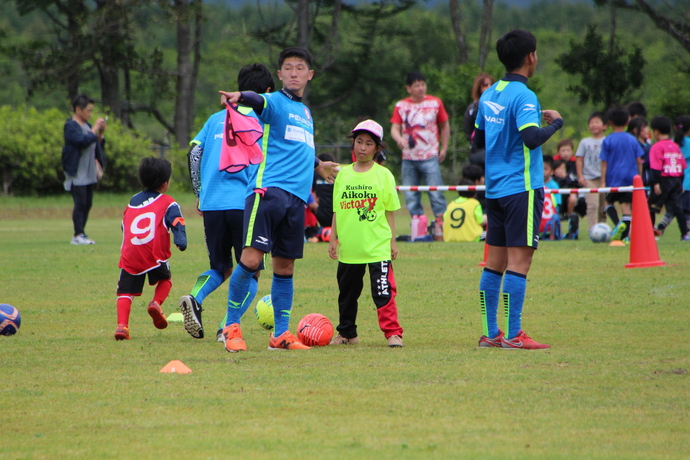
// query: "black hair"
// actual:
[[661, 124], [154, 172], [618, 115], [548, 160], [255, 77], [296, 52], [556, 164], [514, 47], [377, 141], [682, 127], [81, 101], [473, 173], [636, 124], [414, 77], [599, 115], [326, 157], [637, 109], [468, 193]]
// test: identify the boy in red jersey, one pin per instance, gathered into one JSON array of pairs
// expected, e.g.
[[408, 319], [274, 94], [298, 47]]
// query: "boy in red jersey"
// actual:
[[147, 220]]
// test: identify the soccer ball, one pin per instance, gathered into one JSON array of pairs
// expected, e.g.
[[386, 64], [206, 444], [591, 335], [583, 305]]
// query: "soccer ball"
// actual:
[[600, 233], [10, 319], [263, 310], [315, 330]]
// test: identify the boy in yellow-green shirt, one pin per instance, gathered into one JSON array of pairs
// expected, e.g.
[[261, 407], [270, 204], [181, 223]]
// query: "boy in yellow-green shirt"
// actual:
[[363, 235]]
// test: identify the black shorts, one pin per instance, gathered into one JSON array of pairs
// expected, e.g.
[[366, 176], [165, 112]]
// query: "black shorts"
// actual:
[[274, 222], [671, 196], [133, 285], [513, 220], [621, 197], [223, 231]]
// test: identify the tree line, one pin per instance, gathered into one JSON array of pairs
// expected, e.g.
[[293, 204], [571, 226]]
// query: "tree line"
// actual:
[[155, 66]]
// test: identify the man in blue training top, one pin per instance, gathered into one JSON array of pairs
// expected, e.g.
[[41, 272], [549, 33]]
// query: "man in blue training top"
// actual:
[[220, 201], [508, 127], [279, 187]]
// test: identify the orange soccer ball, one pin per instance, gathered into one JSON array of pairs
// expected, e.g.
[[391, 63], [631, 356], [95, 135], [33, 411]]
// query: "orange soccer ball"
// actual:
[[315, 330]]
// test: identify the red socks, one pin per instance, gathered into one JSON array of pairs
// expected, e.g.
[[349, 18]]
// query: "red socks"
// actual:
[[124, 305], [162, 290]]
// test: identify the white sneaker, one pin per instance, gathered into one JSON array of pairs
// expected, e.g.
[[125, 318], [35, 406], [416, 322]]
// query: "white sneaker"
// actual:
[[82, 239]]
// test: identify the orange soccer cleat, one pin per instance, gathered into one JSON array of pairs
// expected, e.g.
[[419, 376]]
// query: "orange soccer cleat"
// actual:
[[286, 341], [157, 315], [233, 338]]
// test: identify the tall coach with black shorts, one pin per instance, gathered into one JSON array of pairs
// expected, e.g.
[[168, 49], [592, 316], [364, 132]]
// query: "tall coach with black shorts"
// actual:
[[509, 128]]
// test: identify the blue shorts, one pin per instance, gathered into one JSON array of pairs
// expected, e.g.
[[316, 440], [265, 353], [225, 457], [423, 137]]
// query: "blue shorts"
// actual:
[[513, 220], [223, 231], [274, 222]]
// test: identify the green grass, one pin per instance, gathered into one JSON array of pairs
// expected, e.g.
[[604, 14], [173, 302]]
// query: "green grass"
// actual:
[[614, 385]]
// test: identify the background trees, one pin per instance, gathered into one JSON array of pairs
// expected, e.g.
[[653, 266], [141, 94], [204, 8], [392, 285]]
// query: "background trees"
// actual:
[[156, 66]]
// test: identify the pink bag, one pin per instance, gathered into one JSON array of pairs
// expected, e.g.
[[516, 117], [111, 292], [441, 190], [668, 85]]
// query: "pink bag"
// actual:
[[240, 146]]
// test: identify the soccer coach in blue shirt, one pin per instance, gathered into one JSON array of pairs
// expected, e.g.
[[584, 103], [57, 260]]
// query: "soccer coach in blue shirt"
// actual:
[[509, 127]]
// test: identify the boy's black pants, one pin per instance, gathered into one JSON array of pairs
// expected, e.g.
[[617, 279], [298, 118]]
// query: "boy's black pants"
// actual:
[[383, 290]]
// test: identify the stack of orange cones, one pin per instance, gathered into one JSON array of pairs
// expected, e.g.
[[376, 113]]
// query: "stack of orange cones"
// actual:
[[643, 249]]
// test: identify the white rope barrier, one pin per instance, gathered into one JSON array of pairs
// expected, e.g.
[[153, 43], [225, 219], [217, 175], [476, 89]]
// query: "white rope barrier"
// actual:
[[481, 188]]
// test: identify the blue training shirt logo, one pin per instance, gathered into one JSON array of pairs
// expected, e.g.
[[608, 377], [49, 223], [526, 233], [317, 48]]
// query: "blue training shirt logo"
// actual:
[[496, 109]]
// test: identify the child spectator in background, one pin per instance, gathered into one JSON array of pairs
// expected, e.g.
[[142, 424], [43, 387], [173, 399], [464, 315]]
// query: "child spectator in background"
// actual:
[[682, 139], [636, 109], [464, 219], [666, 175], [475, 174], [567, 178], [145, 250], [621, 160], [639, 128], [550, 227], [323, 191], [565, 150], [588, 167], [311, 224], [363, 235]]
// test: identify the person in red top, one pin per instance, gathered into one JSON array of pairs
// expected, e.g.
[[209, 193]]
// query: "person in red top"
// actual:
[[666, 165], [421, 130], [146, 224]]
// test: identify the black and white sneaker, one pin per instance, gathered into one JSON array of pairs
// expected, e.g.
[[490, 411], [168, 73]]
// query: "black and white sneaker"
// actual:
[[219, 336], [191, 310]]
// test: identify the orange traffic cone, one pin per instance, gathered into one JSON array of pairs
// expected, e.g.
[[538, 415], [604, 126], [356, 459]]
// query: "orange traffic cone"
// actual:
[[486, 253], [643, 249], [486, 249]]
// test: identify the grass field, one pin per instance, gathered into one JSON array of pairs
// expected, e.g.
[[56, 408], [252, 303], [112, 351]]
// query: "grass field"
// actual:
[[612, 386]]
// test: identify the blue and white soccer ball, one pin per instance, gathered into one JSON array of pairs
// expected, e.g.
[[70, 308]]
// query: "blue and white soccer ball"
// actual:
[[600, 233], [10, 319]]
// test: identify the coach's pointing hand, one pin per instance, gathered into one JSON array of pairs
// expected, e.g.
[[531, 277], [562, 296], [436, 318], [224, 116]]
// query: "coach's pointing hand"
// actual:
[[233, 97]]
